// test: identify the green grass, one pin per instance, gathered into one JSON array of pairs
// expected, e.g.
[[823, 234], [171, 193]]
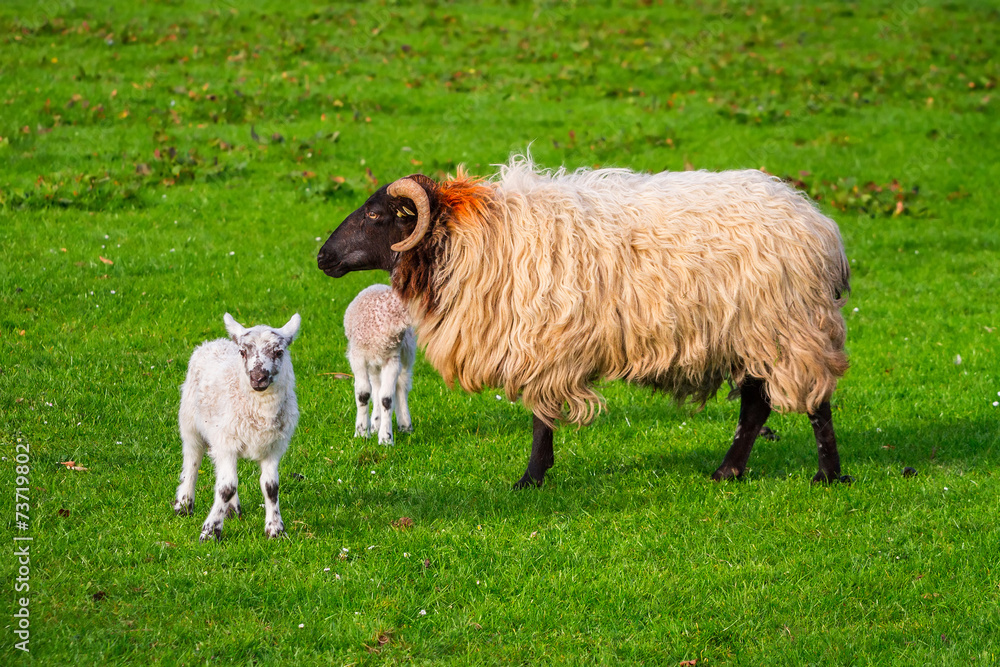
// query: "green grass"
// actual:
[[127, 133]]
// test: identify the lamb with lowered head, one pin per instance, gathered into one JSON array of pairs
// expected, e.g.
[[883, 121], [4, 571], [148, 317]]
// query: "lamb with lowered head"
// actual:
[[381, 349]]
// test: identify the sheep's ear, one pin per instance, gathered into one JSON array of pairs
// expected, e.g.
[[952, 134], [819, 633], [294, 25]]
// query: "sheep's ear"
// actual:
[[291, 329], [234, 328]]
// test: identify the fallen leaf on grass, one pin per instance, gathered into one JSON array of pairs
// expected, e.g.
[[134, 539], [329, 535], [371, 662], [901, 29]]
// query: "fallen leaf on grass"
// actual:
[[688, 663], [98, 596], [105, 260], [340, 376], [383, 638], [402, 523], [71, 465], [64, 512]]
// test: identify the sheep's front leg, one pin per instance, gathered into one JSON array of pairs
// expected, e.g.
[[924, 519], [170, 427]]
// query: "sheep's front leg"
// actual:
[[386, 388], [273, 525], [755, 408], [194, 450], [826, 444], [362, 395], [403, 384], [542, 456], [225, 491]]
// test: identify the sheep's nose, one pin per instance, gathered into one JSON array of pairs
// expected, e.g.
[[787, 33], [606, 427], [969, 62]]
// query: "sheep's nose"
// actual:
[[260, 380]]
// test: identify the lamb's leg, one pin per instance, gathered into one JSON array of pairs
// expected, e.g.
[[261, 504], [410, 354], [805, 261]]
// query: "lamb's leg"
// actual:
[[362, 395], [234, 508], [386, 388], [225, 491], [403, 384], [194, 450], [754, 411], [376, 384], [273, 525], [542, 456], [826, 444]]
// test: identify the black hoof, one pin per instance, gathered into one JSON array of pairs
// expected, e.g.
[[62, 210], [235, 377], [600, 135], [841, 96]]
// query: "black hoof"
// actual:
[[846, 479], [185, 508], [212, 533], [234, 510], [726, 472], [829, 477], [528, 482]]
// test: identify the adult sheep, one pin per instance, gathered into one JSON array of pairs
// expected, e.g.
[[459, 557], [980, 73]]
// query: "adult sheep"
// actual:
[[543, 283]]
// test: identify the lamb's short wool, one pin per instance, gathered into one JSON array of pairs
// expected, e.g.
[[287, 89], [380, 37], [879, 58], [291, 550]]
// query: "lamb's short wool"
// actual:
[[381, 348], [238, 402]]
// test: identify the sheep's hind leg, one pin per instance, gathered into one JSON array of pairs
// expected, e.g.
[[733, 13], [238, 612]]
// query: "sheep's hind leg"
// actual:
[[194, 450], [826, 445], [225, 491], [374, 377], [754, 411], [403, 384], [542, 456], [273, 525]]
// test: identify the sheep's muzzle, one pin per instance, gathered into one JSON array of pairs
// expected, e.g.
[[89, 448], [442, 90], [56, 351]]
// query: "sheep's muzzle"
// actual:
[[260, 380]]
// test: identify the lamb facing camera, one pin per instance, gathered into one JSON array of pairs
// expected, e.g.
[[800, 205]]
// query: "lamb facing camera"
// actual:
[[238, 402]]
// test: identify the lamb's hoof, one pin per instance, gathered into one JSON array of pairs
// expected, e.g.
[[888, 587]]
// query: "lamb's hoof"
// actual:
[[234, 510], [360, 432], [385, 440], [726, 472], [846, 479], [824, 477], [273, 530], [211, 533], [184, 506], [405, 428], [528, 482]]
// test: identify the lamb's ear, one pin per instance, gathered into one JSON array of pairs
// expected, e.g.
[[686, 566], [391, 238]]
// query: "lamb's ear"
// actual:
[[234, 328], [291, 329]]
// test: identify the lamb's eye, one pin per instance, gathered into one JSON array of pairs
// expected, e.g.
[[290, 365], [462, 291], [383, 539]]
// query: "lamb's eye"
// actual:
[[243, 353], [277, 354], [372, 215]]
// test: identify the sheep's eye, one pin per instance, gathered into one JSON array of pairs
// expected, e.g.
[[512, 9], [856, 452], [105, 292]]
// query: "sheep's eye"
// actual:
[[277, 354], [372, 215], [243, 353]]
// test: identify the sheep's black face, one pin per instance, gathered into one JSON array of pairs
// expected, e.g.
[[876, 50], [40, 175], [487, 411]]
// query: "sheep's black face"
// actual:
[[363, 240]]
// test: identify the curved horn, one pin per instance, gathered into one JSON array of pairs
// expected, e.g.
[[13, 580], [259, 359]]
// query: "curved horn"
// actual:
[[409, 188]]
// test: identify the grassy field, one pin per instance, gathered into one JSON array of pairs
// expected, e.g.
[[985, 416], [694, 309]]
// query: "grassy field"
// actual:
[[162, 163]]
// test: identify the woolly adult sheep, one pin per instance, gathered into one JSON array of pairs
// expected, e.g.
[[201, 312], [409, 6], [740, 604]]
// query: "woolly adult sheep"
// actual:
[[544, 282], [238, 402], [381, 349]]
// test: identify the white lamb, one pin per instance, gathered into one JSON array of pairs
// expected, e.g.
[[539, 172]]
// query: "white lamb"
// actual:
[[238, 402], [381, 347]]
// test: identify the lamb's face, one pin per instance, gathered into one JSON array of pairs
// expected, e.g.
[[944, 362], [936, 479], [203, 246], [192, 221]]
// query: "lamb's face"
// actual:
[[262, 349], [262, 353]]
